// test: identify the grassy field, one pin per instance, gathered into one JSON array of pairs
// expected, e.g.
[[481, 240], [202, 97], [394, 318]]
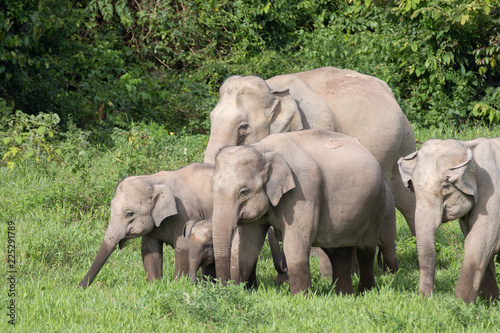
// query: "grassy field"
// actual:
[[57, 212]]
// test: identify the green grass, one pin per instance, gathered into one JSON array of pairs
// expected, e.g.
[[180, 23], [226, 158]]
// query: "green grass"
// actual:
[[61, 211]]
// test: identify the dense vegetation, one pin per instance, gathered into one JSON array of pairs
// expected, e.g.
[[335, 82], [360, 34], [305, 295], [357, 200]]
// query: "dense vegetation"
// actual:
[[101, 64]]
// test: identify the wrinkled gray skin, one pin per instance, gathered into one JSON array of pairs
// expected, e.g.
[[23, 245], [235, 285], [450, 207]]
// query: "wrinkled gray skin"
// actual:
[[315, 188], [201, 249], [344, 101], [457, 180], [201, 252], [156, 207]]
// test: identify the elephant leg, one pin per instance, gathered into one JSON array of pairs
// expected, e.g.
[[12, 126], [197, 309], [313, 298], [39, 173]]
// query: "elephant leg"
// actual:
[[489, 287], [325, 265], [248, 241], [387, 241], [403, 198], [297, 257], [341, 260], [252, 279], [181, 253], [152, 257], [478, 254], [279, 259], [366, 256]]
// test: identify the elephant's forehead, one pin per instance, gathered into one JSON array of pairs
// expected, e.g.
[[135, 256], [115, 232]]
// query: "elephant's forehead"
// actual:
[[244, 85], [442, 154], [238, 158]]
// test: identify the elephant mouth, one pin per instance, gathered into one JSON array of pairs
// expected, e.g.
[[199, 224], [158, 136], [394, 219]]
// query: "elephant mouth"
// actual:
[[121, 244]]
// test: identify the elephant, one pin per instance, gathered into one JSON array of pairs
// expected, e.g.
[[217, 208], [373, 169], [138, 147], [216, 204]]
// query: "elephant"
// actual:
[[452, 180], [315, 188], [200, 248], [251, 108], [156, 207], [201, 252]]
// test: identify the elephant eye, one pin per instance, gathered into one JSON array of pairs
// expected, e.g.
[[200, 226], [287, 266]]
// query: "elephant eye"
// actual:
[[243, 129], [244, 192], [446, 189], [129, 214]]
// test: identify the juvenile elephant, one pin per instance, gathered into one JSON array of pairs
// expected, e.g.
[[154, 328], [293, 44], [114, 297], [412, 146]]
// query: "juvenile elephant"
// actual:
[[457, 180], [315, 188], [201, 249], [156, 207], [344, 101]]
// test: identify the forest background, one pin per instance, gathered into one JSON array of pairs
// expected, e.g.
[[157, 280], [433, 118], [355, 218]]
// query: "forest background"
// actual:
[[93, 91], [98, 65]]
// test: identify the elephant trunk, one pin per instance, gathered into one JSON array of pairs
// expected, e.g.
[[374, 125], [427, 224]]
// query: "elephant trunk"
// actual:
[[221, 135], [223, 226], [194, 265], [114, 235], [427, 220], [102, 255]]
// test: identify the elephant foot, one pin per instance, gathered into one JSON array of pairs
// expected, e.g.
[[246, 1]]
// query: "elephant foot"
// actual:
[[281, 278]]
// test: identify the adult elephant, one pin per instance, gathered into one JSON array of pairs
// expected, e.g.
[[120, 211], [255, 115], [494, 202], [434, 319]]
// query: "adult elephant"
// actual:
[[314, 187], [334, 99], [457, 180]]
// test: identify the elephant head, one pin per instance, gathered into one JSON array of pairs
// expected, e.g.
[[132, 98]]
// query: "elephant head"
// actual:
[[442, 176], [200, 246], [136, 209], [247, 111], [245, 183]]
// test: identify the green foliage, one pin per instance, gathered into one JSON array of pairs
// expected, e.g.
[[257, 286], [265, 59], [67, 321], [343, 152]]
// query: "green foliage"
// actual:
[[29, 137], [488, 57], [438, 58], [427, 51], [216, 306], [489, 107], [35, 36], [101, 64], [139, 149]]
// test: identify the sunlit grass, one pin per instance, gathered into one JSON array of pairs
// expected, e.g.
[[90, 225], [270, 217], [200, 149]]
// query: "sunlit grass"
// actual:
[[60, 218]]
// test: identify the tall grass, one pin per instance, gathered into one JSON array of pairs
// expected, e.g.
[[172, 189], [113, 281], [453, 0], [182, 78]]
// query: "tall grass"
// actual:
[[61, 210]]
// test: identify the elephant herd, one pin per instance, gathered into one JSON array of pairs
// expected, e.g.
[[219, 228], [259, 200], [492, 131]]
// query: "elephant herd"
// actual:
[[314, 159]]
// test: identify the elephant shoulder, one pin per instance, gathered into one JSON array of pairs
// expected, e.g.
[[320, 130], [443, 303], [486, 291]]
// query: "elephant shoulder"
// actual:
[[481, 145], [486, 153], [196, 172]]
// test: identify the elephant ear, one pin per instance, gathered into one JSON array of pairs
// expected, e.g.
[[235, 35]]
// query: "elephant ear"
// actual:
[[279, 177], [285, 114], [406, 167], [463, 176], [187, 228], [164, 204]]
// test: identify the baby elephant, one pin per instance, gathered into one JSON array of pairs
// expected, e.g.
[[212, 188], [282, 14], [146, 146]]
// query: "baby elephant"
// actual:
[[457, 180], [200, 248]]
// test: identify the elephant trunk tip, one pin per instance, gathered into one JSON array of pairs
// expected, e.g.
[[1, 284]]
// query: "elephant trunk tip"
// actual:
[[84, 283]]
